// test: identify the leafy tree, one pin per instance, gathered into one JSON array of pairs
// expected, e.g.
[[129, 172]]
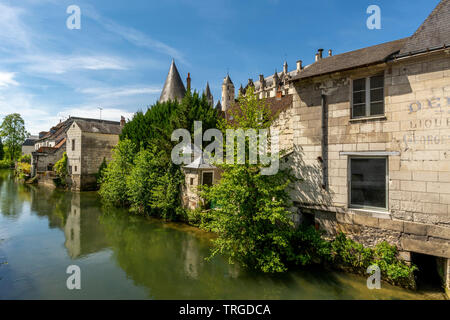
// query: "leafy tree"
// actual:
[[253, 221], [61, 169], [153, 184], [2, 151], [13, 134], [113, 184]]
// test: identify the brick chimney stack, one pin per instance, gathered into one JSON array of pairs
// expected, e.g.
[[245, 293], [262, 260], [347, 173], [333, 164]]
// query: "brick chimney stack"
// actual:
[[330, 53], [122, 121]]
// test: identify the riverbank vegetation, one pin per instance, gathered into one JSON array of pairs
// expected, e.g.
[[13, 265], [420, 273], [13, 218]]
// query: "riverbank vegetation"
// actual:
[[251, 216], [141, 174]]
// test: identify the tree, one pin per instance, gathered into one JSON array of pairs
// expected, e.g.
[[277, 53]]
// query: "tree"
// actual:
[[13, 134], [113, 183], [252, 221], [153, 186], [2, 151]]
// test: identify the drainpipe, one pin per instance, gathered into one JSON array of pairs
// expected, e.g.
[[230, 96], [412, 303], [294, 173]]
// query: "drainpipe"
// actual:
[[324, 141]]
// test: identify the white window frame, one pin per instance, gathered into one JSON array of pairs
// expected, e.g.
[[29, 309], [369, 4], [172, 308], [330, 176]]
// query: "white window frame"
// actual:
[[349, 182], [367, 91]]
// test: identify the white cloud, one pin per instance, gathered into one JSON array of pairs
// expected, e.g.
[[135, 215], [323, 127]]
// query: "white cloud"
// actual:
[[6, 79], [120, 91], [92, 111], [136, 37], [13, 33], [59, 64]]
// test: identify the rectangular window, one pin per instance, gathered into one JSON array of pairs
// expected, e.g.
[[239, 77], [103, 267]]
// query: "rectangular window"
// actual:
[[192, 181], [73, 145], [368, 182], [368, 97], [75, 169], [207, 178]]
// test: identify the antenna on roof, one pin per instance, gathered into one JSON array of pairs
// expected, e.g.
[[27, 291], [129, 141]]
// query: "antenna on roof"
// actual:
[[100, 108]]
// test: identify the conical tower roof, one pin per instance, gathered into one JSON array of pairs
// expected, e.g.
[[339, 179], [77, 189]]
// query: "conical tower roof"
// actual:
[[227, 80], [207, 90], [173, 87]]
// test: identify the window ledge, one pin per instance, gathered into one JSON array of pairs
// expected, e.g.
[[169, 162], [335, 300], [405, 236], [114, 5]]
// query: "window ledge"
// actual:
[[373, 118], [375, 213]]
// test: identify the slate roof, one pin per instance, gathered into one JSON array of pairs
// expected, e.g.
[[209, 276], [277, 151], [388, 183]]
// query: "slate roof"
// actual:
[[434, 31], [349, 60], [99, 126], [173, 87], [208, 91], [30, 141]]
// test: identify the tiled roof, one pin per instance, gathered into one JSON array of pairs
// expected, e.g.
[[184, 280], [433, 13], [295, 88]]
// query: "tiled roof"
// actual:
[[433, 33], [358, 58]]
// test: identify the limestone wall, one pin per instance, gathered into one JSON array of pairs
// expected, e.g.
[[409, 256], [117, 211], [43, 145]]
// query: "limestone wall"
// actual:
[[416, 124]]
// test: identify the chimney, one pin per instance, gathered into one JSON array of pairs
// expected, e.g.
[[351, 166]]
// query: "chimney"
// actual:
[[330, 53], [320, 51], [317, 57], [285, 67], [261, 78], [188, 82], [299, 65], [122, 121]]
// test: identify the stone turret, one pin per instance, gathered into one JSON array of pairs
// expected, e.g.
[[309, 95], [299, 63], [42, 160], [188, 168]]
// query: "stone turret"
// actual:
[[173, 87], [209, 95], [227, 93]]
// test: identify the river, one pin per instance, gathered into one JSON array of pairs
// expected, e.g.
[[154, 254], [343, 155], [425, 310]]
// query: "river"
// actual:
[[124, 256]]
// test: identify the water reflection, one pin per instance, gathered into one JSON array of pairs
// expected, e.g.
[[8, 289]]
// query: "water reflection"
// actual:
[[126, 256]]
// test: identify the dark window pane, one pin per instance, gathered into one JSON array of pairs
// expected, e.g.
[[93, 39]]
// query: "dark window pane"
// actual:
[[359, 110], [359, 85], [376, 95], [208, 178], [376, 108], [359, 97], [368, 182], [377, 82]]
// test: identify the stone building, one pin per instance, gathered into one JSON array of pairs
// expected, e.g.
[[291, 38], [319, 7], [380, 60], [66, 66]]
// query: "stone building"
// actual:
[[199, 172], [28, 145], [49, 148], [89, 143], [86, 141], [371, 139]]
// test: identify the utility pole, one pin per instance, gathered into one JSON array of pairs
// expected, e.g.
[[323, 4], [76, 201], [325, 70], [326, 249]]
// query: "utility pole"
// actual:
[[100, 108]]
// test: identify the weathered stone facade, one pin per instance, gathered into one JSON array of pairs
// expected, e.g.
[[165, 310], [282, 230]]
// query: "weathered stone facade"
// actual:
[[194, 179], [89, 143], [413, 133]]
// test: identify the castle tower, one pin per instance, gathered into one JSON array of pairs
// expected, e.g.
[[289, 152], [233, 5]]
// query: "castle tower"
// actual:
[[227, 93], [209, 95], [173, 87]]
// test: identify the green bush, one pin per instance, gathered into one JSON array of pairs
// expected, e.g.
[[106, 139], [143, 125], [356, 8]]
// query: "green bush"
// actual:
[[353, 256], [60, 169], [6, 164], [25, 158], [22, 170]]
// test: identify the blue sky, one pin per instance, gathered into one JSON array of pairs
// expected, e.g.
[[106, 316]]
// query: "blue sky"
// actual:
[[120, 57]]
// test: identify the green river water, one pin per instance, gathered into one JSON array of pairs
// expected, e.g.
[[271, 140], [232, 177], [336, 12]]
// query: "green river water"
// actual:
[[123, 256]]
